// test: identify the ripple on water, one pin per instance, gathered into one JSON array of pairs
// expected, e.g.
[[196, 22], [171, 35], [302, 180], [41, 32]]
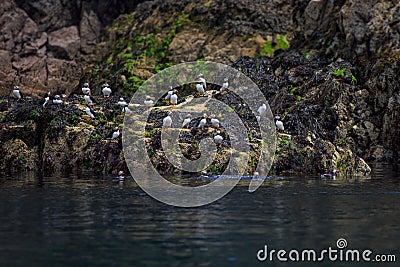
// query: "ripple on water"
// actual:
[[96, 220]]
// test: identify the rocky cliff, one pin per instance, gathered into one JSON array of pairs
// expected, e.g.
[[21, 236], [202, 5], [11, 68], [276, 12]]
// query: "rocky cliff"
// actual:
[[346, 57], [46, 44], [366, 34], [329, 68], [60, 137]]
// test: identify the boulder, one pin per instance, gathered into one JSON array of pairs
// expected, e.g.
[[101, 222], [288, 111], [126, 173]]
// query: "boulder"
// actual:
[[17, 156], [64, 43]]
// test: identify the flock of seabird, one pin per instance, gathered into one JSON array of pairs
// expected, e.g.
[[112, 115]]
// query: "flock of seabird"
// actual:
[[171, 98]]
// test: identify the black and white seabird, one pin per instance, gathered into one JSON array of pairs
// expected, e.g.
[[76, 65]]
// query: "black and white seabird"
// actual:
[[106, 90], [187, 121], [16, 92], [218, 138], [167, 121]]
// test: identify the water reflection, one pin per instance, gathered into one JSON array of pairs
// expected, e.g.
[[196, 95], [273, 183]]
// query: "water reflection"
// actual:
[[97, 220]]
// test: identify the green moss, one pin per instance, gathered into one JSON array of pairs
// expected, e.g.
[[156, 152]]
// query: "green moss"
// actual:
[[130, 50], [74, 117], [122, 23], [283, 142], [292, 91], [253, 162], [161, 66], [213, 169], [132, 84], [102, 119], [344, 73], [96, 69], [288, 110], [229, 109], [33, 114], [269, 47], [119, 44], [150, 152], [149, 133], [149, 46], [109, 61], [95, 137], [282, 43], [182, 20], [216, 169], [339, 72], [353, 79]]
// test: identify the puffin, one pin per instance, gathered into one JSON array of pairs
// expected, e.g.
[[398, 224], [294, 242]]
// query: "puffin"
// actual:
[[214, 121], [256, 175], [46, 99], [122, 103], [121, 175], [86, 89], [174, 99], [106, 90], [148, 102], [203, 121], [167, 121], [279, 123], [88, 99], [330, 175], [262, 110], [200, 88], [187, 121], [16, 92], [116, 134], [218, 138], [225, 86], [57, 100], [168, 96], [202, 80], [89, 112], [126, 110]]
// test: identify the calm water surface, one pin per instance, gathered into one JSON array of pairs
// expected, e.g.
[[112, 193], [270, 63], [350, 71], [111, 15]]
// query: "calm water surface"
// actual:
[[82, 220]]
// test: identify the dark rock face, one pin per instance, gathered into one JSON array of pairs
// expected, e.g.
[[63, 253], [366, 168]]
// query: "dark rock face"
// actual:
[[162, 33], [44, 43], [355, 30], [327, 99], [318, 108], [367, 35], [60, 137]]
